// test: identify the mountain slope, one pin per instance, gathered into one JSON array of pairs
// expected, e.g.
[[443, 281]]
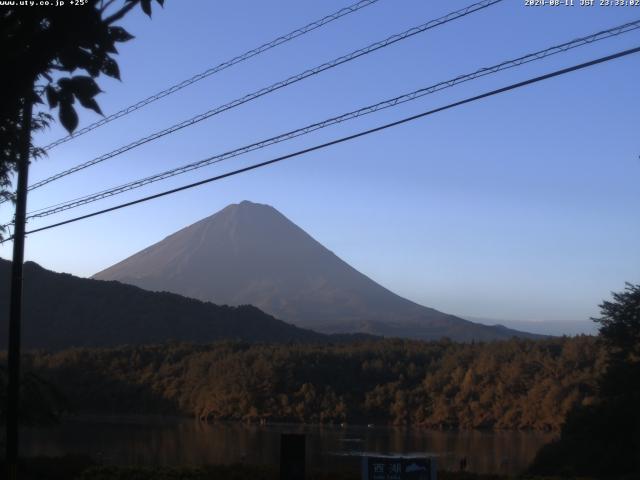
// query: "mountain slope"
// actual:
[[249, 253], [62, 311]]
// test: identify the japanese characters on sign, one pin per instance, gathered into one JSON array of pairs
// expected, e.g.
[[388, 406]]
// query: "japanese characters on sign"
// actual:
[[398, 468]]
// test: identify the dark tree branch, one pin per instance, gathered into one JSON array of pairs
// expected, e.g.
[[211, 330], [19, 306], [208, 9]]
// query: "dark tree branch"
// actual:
[[105, 6], [121, 13]]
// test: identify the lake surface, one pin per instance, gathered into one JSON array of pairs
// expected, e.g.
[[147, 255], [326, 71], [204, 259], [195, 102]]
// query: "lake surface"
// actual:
[[148, 440]]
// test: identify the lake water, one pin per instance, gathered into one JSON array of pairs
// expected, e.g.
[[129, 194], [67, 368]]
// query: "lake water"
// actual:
[[179, 441]]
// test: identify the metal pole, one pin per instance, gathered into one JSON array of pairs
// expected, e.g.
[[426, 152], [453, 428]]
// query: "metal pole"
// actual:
[[15, 309]]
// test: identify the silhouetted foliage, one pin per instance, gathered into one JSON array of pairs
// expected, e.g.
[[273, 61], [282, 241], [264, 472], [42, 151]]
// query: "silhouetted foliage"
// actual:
[[42, 50], [603, 439], [516, 384], [620, 327]]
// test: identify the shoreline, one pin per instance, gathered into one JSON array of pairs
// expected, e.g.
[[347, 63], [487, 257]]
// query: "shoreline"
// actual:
[[153, 418]]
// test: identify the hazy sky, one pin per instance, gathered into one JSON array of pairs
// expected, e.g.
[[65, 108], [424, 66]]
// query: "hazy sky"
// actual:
[[522, 206]]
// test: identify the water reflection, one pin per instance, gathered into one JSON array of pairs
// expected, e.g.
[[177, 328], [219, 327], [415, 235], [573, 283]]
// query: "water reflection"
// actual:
[[177, 441]]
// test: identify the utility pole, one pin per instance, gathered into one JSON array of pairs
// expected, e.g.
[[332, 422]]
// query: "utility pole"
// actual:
[[15, 309]]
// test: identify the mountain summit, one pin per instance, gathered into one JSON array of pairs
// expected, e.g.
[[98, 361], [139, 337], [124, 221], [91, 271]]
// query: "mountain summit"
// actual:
[[250, 253]]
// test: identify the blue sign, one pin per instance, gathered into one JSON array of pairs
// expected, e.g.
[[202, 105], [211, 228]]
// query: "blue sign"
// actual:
[[398, 468]]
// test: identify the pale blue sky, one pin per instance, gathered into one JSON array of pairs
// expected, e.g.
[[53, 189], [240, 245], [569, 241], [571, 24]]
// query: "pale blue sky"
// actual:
[[522, 206]]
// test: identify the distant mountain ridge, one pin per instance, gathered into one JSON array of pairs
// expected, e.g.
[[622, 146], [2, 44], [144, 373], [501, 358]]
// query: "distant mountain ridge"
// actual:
[[555, 328], [62, 311], [250, 253]]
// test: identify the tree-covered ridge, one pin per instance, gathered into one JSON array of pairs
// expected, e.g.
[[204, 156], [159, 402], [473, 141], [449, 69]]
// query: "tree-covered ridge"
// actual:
[[516, 384], [62, 311]]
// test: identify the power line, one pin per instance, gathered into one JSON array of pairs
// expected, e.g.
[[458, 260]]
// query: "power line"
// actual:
[[218, 68], [347, 138], [276, 86], [77, 202]]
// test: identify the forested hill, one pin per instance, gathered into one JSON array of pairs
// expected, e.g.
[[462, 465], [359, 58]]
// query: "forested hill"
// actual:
[[61, 311], [515, 384]]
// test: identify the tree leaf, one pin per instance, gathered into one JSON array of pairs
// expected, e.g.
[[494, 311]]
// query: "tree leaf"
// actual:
[[52, 96], [68, 117], [84, 86], [90, 103], [161, 2], [110, 47], [119, 34], [110, 68], [146, 6], [66, 91], [64, 83], [72, 58], [94, 66]]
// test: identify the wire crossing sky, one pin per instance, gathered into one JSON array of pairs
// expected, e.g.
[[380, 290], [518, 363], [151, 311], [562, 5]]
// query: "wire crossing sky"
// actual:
[[218, 68], [517, 208], [475, 7], [346, 139], [539, 55]]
